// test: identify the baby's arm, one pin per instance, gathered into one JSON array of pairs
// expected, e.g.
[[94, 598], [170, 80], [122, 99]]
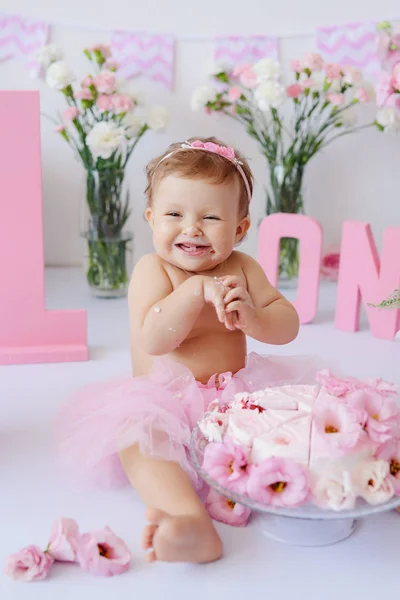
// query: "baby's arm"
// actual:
[[163, 316], [263, 313]]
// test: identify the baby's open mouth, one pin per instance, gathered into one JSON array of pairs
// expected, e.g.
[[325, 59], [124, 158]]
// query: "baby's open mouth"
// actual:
[[193, 249]]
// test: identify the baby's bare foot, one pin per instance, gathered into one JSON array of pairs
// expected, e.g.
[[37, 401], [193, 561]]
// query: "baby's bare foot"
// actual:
[[181, 538]]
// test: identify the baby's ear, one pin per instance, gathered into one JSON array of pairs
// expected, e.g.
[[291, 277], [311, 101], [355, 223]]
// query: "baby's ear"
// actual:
[[242, 228], [148, 215]]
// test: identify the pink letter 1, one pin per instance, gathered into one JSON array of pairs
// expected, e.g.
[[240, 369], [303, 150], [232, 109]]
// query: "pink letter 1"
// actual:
[[309, 233], [28, 333], [361, 275]]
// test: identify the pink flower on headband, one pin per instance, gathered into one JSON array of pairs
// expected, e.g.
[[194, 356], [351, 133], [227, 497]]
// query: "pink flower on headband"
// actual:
[[228, 153]]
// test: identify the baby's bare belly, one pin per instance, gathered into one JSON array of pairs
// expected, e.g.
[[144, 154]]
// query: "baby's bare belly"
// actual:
[[204, 354]]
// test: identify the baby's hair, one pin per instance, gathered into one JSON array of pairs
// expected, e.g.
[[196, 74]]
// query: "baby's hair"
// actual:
[[194, 164]]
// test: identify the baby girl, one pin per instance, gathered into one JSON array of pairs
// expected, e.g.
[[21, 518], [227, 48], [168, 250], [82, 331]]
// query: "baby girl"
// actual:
[[192, 303]]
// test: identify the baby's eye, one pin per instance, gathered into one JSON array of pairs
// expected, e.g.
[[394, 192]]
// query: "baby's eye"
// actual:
[[173, 214], [212, 217]]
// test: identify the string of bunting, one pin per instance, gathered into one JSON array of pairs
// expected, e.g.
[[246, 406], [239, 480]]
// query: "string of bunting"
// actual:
[[152, 54]]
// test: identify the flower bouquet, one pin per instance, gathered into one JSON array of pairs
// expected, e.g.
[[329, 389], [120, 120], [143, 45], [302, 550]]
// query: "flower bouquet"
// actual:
[[323, 99], [388, 88], [103, 127]]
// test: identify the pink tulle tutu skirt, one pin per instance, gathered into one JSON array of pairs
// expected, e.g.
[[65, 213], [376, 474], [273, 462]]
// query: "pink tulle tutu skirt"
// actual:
[[157, 411]]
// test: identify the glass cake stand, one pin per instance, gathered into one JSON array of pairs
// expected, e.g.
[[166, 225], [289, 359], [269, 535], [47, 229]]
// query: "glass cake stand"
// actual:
[[305, 525]]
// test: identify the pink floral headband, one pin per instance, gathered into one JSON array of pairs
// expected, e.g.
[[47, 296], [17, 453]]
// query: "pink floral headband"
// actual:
[[224, 151]]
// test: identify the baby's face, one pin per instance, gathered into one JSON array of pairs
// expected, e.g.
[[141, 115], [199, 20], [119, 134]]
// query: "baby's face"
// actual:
[[195, 223]]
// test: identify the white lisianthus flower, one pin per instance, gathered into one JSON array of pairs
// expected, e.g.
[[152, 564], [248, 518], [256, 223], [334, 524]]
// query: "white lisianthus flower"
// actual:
[[269, 94], [59, 75], [267, 69], [202, 95], [132, 124], [157, 118], [388, 118], [105, 138], [348, 118], [333, 489], [372, 480], [49, 54]]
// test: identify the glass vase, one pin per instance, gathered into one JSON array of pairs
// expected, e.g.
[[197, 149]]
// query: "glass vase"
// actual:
[[285, 196], [108, 252]]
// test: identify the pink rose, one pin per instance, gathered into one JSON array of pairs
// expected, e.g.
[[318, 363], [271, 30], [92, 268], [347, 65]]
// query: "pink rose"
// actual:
[[296, 66], [378, 415], [390, 452], [336, 98], [63, 540], [234, 93], [313, 62], [308, 83], [106, 82], [103, 553], [333, 71], [330, 264], [338, 425], [278, 482], [226, 511], [71, 113], [294, 90], [84, 94], [122, 103], [104, 103], [227, 464], [29, 564]]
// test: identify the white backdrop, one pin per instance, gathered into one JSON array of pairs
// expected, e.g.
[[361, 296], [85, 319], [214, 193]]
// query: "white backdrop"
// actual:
[[357, 177]]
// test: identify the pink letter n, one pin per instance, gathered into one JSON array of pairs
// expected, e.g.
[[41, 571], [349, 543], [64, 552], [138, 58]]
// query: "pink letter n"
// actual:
[[361, 275], [28, 332]]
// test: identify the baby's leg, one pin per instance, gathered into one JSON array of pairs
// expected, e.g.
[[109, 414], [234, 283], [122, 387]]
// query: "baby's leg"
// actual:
[[181, 529]]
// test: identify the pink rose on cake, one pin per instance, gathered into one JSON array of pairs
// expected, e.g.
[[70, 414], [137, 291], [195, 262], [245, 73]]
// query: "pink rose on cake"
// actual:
[[373, 482], [333, 489], [379, 415], [390, 452], [278, 482], [227, 464], [338, 426]]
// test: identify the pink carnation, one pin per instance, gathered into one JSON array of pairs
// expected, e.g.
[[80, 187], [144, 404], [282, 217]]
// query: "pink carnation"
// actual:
[[336, 98], [248, 78], [352, 75], [106, 82], [362, 95], [60, 128], [121, 103], [384, 90], [308, 83], [296, 66], [234, 93], [112, 64], [396, 77], [87, 81], [294, 90], [330, 264], [390, 452], [378, 415], [71, 113], [227, 464], [104, 49], [339, 426], [103, 553], [104, 103], [239, 69], [226, 511], [333, 71], [29, 564], [84, 94], [313, 62], [278, 482]]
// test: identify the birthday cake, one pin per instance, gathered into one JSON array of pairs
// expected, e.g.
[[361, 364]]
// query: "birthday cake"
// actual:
[[330, 444]]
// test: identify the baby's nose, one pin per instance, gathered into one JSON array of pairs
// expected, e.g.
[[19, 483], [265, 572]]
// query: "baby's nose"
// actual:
[[192, 231]]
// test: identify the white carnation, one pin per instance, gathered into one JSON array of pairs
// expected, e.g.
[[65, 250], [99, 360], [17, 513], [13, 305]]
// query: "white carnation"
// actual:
[[267, 69], [202, 95], [105, 138], [157, 118], [269, 94], [59, 75], [349, 117], [132, 124], [388, 118], [49, 54]]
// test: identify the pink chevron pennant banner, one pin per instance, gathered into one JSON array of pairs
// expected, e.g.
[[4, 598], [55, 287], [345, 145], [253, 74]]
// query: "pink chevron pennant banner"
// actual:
[[353, 44], [236, 49], [21, 38], [147, 54]]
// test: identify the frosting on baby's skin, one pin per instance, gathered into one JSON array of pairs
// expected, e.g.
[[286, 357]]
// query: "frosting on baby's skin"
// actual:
[[157, 309]]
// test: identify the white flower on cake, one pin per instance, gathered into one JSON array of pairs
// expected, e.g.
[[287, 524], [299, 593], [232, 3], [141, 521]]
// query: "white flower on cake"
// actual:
[[202, 95], [105, 138], [59, 75], [213, 426], [269, 94], [267, 69], [49, 54], [157, 118], [333, 489], [372, 480]]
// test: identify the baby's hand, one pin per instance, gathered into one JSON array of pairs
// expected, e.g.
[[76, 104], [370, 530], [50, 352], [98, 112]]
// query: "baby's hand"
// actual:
[[214, 293], [237, 301]]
